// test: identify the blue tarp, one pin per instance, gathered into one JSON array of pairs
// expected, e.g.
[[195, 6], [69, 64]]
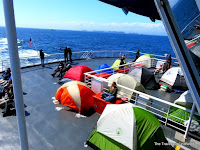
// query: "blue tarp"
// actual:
[[110, 71]]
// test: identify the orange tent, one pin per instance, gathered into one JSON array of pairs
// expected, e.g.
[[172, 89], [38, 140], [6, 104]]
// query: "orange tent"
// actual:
[[77, 95]]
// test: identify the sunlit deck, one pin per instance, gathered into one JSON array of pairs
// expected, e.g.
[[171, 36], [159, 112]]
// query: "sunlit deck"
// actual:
[[46, 127]]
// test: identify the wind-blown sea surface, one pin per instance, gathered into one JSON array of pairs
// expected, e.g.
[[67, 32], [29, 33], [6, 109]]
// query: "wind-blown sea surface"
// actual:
[[52, 40]]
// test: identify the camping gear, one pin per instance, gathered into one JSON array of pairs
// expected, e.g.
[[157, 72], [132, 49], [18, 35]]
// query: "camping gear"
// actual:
[[125, 126], [100, 104], [164, 88], [76, 95], [117, 63], [103, 75], [138, 65], [124, 70], [104, 66], [185, 100], [148, 60], [174, 78], [144, 76], [180, 115], [195, 54], [77, 72], [191, 44], [127, 81]]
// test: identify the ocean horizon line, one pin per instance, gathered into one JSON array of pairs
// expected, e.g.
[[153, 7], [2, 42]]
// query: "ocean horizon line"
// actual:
[[101, 31]]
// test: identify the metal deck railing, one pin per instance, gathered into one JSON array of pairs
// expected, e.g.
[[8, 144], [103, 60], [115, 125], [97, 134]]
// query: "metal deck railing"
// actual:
[[162, 109], [50, 58], [191, 26]]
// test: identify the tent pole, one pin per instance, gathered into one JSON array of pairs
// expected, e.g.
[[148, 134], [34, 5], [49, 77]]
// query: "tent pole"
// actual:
[[190, 120], [16, 74]]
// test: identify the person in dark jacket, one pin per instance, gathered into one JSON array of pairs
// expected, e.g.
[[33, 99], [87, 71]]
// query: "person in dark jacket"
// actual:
[[42, 57], [9, 100], [112, 93], [64, 70], [137, 55], [67, 51], [58, 69], [169, 61], [122, 61], [70, 54], [6, 74]]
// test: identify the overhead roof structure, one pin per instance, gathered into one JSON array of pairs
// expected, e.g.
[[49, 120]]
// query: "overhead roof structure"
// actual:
[[142, 7]]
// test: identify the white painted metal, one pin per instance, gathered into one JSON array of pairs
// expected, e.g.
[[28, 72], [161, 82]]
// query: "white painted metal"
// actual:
[[16, 74], [198, 3], [190, 119], [178, 51], [49, 58], [160, 107]]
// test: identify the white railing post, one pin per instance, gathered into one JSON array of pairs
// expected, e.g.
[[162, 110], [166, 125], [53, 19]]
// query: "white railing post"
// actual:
[[167, 115], [189, 121], [16, 74]]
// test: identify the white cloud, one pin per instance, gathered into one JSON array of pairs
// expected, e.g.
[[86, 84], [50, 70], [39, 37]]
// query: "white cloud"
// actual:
[[140, 28]]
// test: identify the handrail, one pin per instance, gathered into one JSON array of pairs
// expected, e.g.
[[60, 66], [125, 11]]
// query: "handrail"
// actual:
[[138, 92], [157, 106], [190, 23], [35, 60]]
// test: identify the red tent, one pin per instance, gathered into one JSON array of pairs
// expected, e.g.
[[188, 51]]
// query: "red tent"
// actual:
[[77, 72]]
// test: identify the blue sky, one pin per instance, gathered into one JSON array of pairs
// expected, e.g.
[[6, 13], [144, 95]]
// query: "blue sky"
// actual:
[[80, 15]]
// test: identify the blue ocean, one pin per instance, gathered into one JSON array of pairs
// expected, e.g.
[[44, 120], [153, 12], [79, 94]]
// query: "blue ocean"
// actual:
[[52, 40]]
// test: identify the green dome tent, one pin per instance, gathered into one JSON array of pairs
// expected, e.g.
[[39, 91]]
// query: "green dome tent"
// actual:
[[146, 60], [126, 127], [127, 81]]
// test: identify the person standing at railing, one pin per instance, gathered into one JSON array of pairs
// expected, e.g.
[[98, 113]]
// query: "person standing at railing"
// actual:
[[70, 54], [137, 55], [42, 57], [67, 51]]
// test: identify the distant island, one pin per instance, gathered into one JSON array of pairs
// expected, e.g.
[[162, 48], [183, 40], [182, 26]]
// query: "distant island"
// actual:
[[117, 32]]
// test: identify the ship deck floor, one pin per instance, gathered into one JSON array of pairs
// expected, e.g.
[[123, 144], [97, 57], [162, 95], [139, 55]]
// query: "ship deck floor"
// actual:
[[47, 128]]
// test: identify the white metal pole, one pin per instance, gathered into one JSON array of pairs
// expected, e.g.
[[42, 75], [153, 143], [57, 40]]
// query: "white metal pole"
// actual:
[[16, 74], [198, 4], [189, 121], [179, 47], [34, 44]]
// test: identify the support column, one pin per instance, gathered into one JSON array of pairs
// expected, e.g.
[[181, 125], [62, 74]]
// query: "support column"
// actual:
[[16, 74], [181, 52]]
